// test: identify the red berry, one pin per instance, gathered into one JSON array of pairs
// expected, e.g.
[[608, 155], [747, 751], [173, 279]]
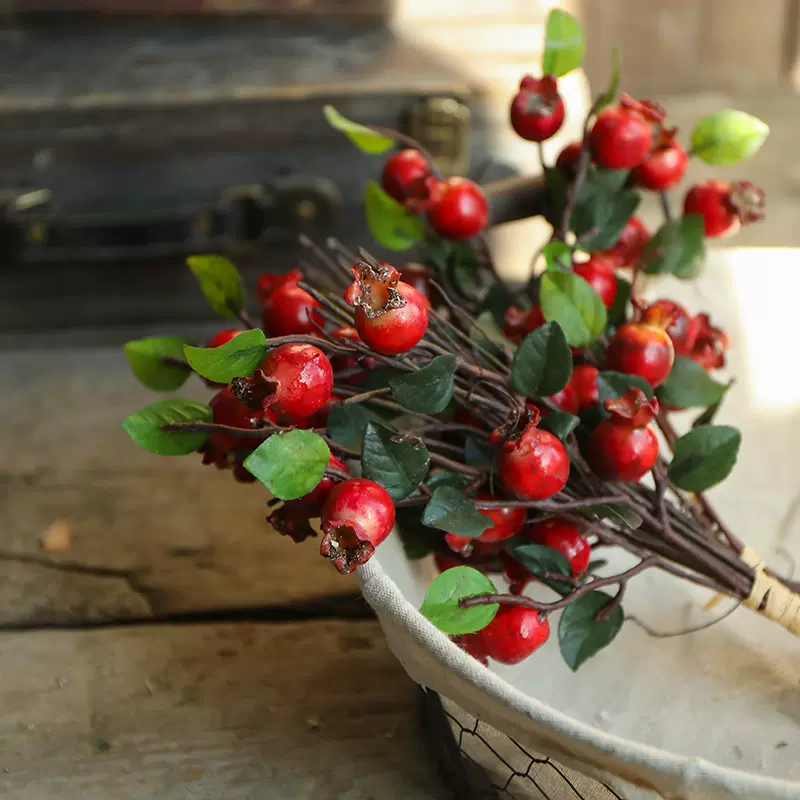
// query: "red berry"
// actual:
[[710, 344], [624, 447], [628, 249], [598, 272], [643, 348], [725, 206], [519, 322], [665, 165], [391, 316], [287, 309], [224, 336], [473, 644], [461, 211], [227, 410], [567, 161], [401, 171], [682, 328], [514, 633], [584, 383], [300, 379], [621, 137], [358, 515], [315, 499], [537, 110], [506, 522], [566, 399], [562, 535], [533, 465]]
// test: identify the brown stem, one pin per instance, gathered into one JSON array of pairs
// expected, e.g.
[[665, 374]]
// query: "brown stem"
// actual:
[[364, 396], [543, 505]]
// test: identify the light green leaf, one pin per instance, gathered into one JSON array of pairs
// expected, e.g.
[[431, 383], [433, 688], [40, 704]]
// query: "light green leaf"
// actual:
[[610, 94], [145, 427], [365, 139], [563, 44], [728, 137], [237, 358], [569, 300], [220, 282], [146, 357], [390, 223], [441, 604]]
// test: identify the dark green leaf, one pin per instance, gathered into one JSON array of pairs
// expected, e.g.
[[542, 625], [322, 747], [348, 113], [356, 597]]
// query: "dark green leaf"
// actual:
[[220, 282], [418, 540], [441, 604], [615, 384], [601, 213], [559, 423], [618, 312], [728, 137], [445, 478], [707, 417], [347, 423], [615, 512], [613, 179], [539, 558], [704, 457], [543, 362], [398, 462], [290, 464], [596, 565], [557, 255], [389, 222], [144, 427], [556, 183], [563, 44], [237, 358], [580, 635], [452, 511], [610, 94], [478, 453], [689, 385], [678, 248], [569, 300], [497, 300], [378, 378], [146, 357], [365, 139], [428, 390]]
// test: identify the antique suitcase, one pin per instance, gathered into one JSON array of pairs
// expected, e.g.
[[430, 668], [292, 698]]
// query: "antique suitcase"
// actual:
[[127, 144]]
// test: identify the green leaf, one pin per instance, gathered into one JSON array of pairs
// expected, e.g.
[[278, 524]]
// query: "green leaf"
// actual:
[[443, 477], [378, 378], [618, 312], [290, 464], [539, 558], [569, 300], [365, 139], [417, 539], [593, 566], [610, 94], [146, 359], [237, 358], [390, 223], [486, 334], [557, 255], [452, 511], [398, 462], [611, 385], [615, 512], [563, 44], [441, 604], [614, 179], [559, 423], [688, 385], [678, 248], [144, 427], [601, 212], [428, 390], [707, 417], [543, 362], [479, 453], [728, 137], [220, 282], [497, 300], [347, 423], [704, 457], [580, 635]]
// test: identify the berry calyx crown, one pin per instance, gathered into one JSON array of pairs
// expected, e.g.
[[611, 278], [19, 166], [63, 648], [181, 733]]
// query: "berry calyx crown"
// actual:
[[258, 392], [748, 201], [540, 94], [652, 112], [374, 289], [633, 407]]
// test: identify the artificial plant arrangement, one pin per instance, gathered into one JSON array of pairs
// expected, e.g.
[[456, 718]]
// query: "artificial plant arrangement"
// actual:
[[508, 431]]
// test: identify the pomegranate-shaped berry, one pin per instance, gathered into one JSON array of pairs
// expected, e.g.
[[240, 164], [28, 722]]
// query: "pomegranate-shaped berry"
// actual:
[[473, 644], [564, 536], [665, 165], [710, 344], [598, 272], [401, 171], [533, 465], [506, 522], [293, 519], [682, 328], [287, 309], [537, 110], [295, 379], [224, 336], [357, 516], [643, 348], [519, 322], [567, 161], [514, 633], [584, 383], [628, 249], [391, 316], [725, 206], [621, 137], [624, 447], [461, 211]]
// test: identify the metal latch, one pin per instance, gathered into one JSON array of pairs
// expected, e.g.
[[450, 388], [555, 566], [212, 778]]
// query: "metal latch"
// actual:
[[441, 125]]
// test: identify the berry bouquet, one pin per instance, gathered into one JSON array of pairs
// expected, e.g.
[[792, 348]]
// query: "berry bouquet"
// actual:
[[511, 432]]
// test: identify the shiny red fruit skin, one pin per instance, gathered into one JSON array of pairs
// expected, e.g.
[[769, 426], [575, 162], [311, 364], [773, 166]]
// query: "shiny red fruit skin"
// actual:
[[472, 644], [461, 212], [562, 535], [224, 336], [514, 633], [640, 349], [357, 516], [620, 452], [537, 110], [507, 522], [566, 399], [598, 272], [662, 169], [710, 199], [227, 410], [519, 322], [584, 383], [396, 330], [567, 161], [290, 310], [401, 170], [620, 138], [682, 329], [304, 379], [534, 466], [628, 249]]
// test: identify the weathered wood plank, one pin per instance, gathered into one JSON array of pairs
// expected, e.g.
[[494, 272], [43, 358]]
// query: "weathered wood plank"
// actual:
[[314, 710]]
